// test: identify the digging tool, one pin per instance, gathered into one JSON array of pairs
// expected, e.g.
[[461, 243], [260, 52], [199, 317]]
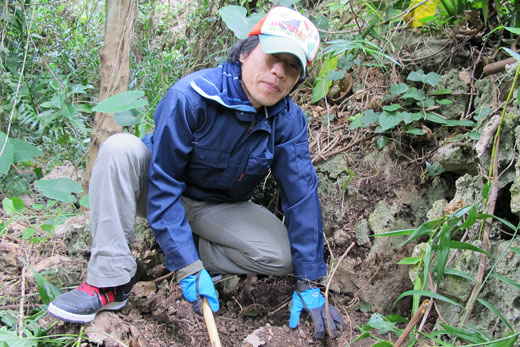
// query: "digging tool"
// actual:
[[210, 324]]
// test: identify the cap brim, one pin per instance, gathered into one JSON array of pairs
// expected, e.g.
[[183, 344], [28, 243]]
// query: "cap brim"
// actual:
[[277, 44]]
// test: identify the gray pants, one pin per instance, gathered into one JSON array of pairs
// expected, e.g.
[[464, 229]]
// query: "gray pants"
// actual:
[[239, 238]]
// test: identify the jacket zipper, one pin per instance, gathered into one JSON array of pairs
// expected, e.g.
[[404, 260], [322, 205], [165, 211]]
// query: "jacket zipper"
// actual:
[[251, 126]]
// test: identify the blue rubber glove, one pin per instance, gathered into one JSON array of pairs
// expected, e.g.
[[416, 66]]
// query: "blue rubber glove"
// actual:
[[195, 286], [312, 301]]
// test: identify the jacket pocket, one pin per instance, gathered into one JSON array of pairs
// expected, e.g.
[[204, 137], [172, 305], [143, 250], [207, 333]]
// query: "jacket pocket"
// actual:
[[258, 166], [306, 173], [209, 168]]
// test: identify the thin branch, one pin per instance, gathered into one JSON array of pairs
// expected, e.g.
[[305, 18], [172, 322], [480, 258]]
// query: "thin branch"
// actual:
[[22, 301], [329, 326], [413, 322]]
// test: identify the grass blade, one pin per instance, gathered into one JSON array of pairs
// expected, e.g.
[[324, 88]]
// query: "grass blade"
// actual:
[[454, 272], [464, 334], [497, 313], [443, 252], [423, 229], [507, 280], [428, 293]]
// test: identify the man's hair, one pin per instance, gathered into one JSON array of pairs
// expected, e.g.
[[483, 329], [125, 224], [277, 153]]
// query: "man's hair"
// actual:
[[245, 47]]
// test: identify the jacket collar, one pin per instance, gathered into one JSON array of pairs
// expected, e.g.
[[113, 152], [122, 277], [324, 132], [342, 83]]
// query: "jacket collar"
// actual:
[[223, 85]]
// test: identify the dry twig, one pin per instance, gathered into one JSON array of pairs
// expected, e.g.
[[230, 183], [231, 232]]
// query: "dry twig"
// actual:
[[415, 319], [329, 326]]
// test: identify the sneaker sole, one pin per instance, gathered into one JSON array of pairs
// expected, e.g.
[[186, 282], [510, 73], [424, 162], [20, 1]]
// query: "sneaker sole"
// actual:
[[82, 318]]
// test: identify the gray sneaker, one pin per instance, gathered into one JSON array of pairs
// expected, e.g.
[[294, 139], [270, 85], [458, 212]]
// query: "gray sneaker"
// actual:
[[83, 303]]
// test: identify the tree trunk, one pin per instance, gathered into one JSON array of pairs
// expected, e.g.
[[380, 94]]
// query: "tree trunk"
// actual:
[[115, 71]]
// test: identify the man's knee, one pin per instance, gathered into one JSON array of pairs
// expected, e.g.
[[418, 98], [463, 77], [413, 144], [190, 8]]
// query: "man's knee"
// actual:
[[122, 147], [279, 263]]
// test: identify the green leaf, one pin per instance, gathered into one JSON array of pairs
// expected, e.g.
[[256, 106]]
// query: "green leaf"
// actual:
[[411, 117], [464, 334], [423, 229], [507, 280], [444, 102], [429, 102], [47, 290], [512, 53], [122, 102], [11, 339], [409, 261], [482, 112], [503, 221], [497, 313], [455, 272], [84, 201], [7, 156], [396, 233], [513, 30], [13, 205], [428, 294], [28, 233], [462, 122], [435, 169], [23, 150], [381, 142], [59, 189], [415, 131], [515, 249], [322, 85], [441, 92], [235, 19], [389, 120], [471, 218], [431, 78], [399, 88], [464, 245], [474, 135], [443, 251], [378, 322], [335, 75], [505, 341], [370, 117], [126, 118], [384, 343], [435, 118], [355, 122], [415, 94], [427, 258], [392, 108]]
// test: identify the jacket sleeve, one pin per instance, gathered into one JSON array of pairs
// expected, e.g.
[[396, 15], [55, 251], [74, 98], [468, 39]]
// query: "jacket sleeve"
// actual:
[[175, 119], [298, 183]]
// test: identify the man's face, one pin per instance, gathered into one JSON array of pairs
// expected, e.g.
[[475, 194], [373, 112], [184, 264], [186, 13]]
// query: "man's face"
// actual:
[[268, 78]]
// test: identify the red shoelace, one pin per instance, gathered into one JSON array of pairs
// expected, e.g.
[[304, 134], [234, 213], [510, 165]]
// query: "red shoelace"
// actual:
[[106, 295]]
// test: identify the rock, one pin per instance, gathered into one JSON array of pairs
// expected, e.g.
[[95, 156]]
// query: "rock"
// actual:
[[456, 158], [274, 336], [108, 329], [363, 233], [452, 80]]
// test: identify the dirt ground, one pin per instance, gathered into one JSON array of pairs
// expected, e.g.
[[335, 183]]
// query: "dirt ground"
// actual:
[[254, 309]]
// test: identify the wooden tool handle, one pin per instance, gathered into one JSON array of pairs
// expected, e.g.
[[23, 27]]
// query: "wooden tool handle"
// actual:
[[210, 324]]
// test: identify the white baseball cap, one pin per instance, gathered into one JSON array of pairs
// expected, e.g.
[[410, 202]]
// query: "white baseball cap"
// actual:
[[284, 30]]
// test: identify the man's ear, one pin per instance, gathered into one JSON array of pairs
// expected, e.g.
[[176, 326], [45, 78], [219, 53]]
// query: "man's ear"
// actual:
[[242, 58]]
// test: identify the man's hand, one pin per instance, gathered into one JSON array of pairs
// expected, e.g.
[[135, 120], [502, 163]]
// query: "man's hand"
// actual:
[[312, 301], [195, 286]]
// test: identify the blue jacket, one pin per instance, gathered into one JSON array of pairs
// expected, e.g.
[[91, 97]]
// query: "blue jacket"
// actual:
[[210, 143]]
